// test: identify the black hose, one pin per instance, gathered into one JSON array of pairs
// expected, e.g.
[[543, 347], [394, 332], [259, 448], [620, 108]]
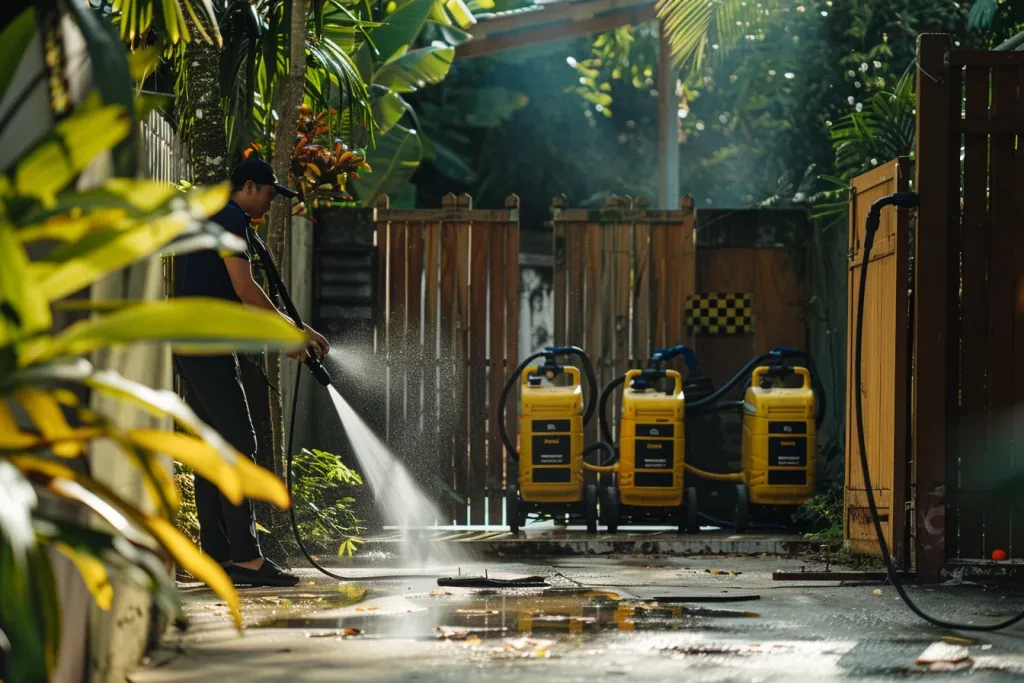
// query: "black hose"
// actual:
[[510, 447], [606, 430], [904, 199], [601, 446]]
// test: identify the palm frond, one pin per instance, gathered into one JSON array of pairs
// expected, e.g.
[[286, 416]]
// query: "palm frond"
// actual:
[[694, 26]]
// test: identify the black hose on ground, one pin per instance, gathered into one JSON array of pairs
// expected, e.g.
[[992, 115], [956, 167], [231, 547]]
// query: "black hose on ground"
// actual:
[[903, 200]]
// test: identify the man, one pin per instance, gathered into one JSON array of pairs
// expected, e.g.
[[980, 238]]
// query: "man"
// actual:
[[213, 383]]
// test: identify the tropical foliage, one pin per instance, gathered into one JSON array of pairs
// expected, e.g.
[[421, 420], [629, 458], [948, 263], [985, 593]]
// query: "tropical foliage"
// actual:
[[58, 236], [323, 510]]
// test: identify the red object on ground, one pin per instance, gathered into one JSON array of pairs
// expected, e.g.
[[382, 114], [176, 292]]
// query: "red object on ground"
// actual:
[[999, 555]]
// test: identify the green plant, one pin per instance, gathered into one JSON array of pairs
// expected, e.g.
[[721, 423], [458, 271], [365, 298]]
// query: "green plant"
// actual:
[[79, 229], [824, 513], [322, 510], [187, 519]]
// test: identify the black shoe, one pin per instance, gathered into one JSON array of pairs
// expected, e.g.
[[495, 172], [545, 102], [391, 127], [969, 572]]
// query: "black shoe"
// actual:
[[269, 574]]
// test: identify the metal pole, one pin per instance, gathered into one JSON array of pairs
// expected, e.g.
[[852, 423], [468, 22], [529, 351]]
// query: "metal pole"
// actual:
[[668, 126]]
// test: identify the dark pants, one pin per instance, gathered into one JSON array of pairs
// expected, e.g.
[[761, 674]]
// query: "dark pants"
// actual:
[[213, 389]]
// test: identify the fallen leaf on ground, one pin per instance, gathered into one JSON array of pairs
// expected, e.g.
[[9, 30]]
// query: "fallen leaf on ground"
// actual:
[[367, 609], [722, 572], [877, 591], [986, 646], [473, 640], [956, 640]]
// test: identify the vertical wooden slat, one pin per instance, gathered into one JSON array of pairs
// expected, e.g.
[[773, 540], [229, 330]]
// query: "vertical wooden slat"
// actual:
[[449, 393], [1002, 303], [462, 357], [478, 246], [642, 287], [496, 369], [623, 292], [687, 281], [607, 316], [396, 331], [592, 337], [575, 235], [1018, 332], [559, 266], [512, 328], [411, 441], [431, 446], [675, 302], [380, 307], [659, 283], [974, 407]]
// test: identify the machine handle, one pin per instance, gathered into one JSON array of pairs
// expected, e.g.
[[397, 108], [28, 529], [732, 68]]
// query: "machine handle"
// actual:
[[673, 374], [804, 373], [570, 370]]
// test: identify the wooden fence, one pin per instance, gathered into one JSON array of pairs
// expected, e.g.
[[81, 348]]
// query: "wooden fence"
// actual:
[[622, 275], [886, 366], [447, 326], [969, 330]]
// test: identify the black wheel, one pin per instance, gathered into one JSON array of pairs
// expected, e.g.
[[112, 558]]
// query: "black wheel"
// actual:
[[512, 509], [610, 509], [741, 516], [590, 507]]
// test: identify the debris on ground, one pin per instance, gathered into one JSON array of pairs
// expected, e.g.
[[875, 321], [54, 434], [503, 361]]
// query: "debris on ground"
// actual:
[[957, 640], [721, 572], [534, 647], [942, 656], [346, 632]]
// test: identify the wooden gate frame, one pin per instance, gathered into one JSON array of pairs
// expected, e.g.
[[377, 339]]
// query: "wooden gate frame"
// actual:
[[954, 99], [886, 367]]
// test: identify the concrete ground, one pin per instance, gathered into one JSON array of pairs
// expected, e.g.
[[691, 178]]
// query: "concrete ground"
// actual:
[[603, 617]]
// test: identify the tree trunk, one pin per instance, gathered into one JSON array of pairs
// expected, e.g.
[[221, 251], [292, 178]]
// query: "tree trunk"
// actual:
[[202, 121], [292, 87]]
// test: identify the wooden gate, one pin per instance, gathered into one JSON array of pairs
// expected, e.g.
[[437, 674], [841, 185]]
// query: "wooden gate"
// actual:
[[621, 278], [447, 327], [885, 362], [970, 331]]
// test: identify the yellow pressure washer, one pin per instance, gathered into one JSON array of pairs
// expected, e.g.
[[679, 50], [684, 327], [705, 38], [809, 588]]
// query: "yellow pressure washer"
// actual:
[[646, 485], [778, 466], [550, 482]]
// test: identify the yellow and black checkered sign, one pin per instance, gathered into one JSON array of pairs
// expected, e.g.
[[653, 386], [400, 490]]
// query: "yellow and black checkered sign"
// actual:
[[720, 313]]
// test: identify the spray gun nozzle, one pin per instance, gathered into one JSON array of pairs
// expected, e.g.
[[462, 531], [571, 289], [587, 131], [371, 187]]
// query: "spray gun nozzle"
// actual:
[[317, 368]]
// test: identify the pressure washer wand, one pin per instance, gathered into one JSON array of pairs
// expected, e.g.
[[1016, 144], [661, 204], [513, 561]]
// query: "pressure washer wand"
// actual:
[[278, 290]]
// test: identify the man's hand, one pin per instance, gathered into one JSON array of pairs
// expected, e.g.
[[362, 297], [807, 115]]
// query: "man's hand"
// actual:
[[317, 342]]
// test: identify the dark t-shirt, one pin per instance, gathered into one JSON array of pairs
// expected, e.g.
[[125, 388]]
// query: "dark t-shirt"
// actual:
[[203, 273]]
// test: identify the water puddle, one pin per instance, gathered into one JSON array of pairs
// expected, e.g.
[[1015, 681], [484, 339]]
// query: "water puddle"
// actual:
[[499, 614]]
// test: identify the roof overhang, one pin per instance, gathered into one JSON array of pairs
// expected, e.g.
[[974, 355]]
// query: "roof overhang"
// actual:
[[552, 21]]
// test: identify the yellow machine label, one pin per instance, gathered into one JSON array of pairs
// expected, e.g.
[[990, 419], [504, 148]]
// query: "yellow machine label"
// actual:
[[654, 455], [552, 450], [664, 430], [787, 452]]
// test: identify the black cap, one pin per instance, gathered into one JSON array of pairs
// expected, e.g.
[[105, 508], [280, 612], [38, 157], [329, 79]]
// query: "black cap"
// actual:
[[261, 173]]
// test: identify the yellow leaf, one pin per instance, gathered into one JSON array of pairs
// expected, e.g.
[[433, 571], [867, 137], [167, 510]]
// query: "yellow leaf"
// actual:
[[30, 310], [93, 573], [187, 555], [262, 484], [91, 264], [189, 323], [192, 452], [206, 201], [73, 227], [46, 415], [43, 174], [201, 566], [145, 195]]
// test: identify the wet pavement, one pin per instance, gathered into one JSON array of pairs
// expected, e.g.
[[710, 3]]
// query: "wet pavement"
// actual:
[[718, 618]]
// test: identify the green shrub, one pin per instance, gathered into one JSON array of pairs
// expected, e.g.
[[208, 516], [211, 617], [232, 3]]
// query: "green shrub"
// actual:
[[322, 485]]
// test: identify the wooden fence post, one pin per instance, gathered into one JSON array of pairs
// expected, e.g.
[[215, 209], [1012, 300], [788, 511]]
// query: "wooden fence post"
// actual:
[[935, 351]]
